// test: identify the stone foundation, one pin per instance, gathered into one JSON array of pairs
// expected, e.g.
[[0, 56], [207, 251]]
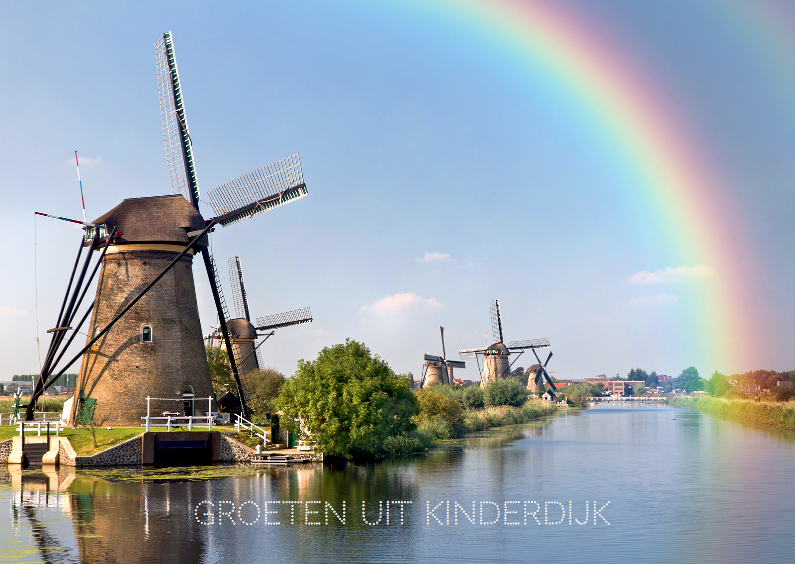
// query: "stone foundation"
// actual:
[[127, 453], [5, 450], [135, 452]]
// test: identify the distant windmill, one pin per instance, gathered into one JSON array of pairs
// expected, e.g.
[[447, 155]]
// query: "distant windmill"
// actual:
[[145, 336], [495, 358], [537, 375], [243, 333], [437, 369]]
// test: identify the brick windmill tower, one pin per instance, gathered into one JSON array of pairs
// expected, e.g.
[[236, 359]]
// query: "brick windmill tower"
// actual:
[[144, 337]]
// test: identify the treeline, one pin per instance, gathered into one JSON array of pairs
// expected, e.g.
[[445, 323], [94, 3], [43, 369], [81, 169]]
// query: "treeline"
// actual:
[[688, 380], [765, 379], [780, 384], [722, 386], [69, 380]]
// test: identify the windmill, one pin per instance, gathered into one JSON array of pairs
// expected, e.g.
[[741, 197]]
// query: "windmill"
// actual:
[[495, 358], [144, 335], [243, 333], [537, 375], [437, 369]]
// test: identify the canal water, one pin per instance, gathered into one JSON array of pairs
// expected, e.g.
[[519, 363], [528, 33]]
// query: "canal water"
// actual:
[[615, 483]]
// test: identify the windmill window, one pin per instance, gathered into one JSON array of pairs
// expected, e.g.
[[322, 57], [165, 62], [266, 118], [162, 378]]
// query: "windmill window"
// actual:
[[146, 334]]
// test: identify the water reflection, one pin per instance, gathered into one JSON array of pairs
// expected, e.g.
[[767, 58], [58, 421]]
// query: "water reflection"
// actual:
[[683, 487]]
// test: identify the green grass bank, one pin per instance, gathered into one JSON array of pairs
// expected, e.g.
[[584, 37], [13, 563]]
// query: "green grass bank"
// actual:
[[775, 414]]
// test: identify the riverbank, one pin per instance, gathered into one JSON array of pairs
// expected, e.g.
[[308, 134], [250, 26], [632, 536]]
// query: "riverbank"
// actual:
[[775, 414], [481, 419]]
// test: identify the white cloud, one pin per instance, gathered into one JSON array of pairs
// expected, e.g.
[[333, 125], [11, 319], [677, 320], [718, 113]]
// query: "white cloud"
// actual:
[[434, 257], [8, 312], [658, 300], [401, 304], [671, 275]]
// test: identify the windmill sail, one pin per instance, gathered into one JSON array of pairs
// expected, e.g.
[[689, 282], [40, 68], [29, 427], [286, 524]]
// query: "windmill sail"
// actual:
[[529, 344], [179, 153], [496, 322], [295, 317], [264, 189], [239, 296]]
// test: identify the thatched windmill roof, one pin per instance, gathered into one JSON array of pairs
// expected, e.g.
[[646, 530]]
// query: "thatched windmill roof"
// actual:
[[158, 219]]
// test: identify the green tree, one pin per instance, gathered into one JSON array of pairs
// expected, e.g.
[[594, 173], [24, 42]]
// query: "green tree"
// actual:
[[266, 384], [348, 401], [639, 389], [504, 391], [717, 385], [220, 371], [689, 380]]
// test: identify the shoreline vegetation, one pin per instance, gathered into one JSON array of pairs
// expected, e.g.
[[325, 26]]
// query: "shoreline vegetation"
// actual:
[[775, 414], [439, 428]]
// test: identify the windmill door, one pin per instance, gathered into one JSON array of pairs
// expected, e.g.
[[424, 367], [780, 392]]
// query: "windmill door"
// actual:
[[187, 396]]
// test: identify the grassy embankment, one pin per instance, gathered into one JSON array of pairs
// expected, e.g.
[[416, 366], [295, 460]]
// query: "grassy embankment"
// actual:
[[472, 421], [775, 414]]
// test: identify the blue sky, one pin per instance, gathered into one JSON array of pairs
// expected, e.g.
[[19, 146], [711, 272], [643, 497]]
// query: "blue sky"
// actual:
[[439, 177]]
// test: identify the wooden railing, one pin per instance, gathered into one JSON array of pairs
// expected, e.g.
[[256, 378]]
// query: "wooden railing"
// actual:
[[243, 423], [178, 421]]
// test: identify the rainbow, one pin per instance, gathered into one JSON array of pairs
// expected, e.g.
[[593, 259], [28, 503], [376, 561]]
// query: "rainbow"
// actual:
[[663, 163]]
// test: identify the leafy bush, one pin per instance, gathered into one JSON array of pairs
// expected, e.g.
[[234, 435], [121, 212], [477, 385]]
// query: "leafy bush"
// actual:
[[784, 393], [437, 429], [438, 406], [473, 397], [733, 393], [413, 441], [503, 391], [453, 392]]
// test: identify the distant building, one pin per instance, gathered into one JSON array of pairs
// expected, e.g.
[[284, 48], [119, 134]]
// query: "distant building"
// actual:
[[460, 382], [597, 381], [663, 378], [622, 387], [566, 383], [748, 389]]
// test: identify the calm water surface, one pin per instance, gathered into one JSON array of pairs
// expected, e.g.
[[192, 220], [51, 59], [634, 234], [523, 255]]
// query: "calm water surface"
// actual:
[[681, 487]]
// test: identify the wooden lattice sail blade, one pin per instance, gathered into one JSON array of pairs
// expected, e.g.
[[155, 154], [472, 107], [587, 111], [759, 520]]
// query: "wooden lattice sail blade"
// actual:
[[496, 322], [529, 344], [239, 296], [295, 317], [264, 189], [471, 353], [179, 153]]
